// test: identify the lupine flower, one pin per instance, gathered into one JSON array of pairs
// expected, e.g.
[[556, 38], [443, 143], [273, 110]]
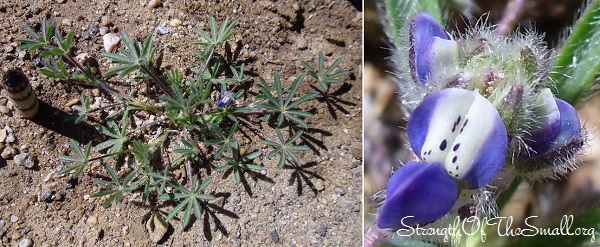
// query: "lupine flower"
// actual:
[[459, 135], [227, 98], [432, 47], [558, 125], [483, 101]]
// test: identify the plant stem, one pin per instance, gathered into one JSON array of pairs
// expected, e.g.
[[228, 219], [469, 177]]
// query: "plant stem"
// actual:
[[512, 13], [161, 84], [257, 129]]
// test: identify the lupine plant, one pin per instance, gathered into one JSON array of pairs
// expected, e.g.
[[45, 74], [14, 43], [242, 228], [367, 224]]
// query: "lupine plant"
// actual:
[[483, 110], [204, 127]]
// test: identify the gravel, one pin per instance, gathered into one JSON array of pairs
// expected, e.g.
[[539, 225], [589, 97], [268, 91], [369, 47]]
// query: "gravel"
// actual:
[[47, 195], [162, 30], [274, 236], [26, 243], [25, 160]]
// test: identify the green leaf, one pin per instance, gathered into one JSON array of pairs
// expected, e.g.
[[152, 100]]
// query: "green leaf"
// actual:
[[578, 63]]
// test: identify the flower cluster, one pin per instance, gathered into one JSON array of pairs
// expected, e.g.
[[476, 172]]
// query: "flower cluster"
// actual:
[[479, 105]]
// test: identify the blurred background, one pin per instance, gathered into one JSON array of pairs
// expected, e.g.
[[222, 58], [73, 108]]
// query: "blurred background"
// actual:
[[385, 139]]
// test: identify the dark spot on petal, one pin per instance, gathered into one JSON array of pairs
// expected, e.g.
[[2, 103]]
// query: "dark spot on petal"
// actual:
[[450, 172], [454, 160], [456, 166], [443, 145], [456, 147], [464, 124], [456, 176]]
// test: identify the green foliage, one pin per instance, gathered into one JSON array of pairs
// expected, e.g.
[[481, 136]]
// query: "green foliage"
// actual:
[[224, 142], [137, 55], [81, 161], [216, 38], [578, 63], [206, 124], [115, 189], [82, 111], [188, 199], [118, 135], [44, 40], [189, 151], [239, 164], [285, 148], [285, 108], [325, 76], [55, 68]]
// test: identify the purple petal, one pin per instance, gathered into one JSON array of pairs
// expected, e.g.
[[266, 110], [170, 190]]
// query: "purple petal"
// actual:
[[432, 47], [548, 117], [418, 193], [570, 128], [227, 98], [463, 131]]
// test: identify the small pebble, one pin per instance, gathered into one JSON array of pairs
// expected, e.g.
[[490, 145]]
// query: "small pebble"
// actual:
[[94, 30], [10, 138], [153, 3], [96, 92], [4, 109], [162, 30], [103, 30], [2, 223], [91, 207], [48, 176], [25, 230], [340, 191], [47, 195], [66, 22], [274, 236], [2, 135], [26, 242], [8, 152], [85, 35], [110, 41], [125, 230], [22, 55], [92, 220], [25, 160], [14, 218], [175, 23], [72, 102], [60, 1]]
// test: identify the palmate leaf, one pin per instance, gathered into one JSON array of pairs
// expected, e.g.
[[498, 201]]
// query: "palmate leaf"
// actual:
[[216, 38], [325, 77], [285, 107], [191, 199], [81, 111], [239, 164], [38, 41], [189, 151], [118, 136], [115, 189], [224, 142], [136, 55], [81, 162], [285, 148]]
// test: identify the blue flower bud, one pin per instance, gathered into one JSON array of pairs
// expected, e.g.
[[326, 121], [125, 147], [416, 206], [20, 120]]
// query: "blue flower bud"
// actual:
[[461, 130], [227, 98], [432, 48], [558, 125], [417, 193]]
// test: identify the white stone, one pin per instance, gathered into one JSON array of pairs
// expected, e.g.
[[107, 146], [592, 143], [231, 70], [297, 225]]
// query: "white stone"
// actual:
[[111, 41], [153, 3]]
